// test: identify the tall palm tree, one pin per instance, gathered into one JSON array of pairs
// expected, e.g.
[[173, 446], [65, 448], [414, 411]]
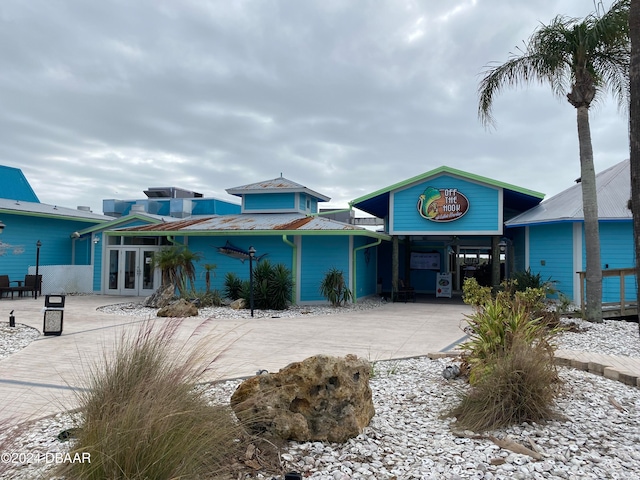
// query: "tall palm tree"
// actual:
[[634, 130], [580, 59]]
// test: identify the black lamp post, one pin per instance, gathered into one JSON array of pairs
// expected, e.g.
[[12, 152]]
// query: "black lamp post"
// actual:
[[252, 254], [38, 245]]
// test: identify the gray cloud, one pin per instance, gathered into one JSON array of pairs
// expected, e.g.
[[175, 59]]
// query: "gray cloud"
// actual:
[[104, 99]]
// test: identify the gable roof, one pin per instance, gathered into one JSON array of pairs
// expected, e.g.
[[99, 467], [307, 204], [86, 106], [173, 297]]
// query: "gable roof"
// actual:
[[377, 203], [613, 187], [275, 185], [14, 185]]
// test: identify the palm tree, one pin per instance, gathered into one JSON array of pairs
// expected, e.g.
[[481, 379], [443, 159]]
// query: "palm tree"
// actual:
[[634, 130], [176, 264], [580, 59]]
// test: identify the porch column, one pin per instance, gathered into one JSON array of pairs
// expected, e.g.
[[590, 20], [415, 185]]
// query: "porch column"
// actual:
[[394, 267], [495, 261]]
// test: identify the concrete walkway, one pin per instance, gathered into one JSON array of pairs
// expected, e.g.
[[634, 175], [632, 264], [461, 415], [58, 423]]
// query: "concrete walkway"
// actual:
[[40, 379]]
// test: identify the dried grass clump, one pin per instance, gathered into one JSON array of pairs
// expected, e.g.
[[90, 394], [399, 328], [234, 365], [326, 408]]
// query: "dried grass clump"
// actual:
[[143, 418], [521, 387]]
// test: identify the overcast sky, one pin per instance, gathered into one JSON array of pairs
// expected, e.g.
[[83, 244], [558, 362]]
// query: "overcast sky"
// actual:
[[103, 99]]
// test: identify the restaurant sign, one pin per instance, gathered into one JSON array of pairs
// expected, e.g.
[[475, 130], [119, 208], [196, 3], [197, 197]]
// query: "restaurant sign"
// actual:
[[442, 205]]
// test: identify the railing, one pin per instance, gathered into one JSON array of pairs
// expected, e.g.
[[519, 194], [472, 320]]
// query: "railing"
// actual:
[[612, 272]]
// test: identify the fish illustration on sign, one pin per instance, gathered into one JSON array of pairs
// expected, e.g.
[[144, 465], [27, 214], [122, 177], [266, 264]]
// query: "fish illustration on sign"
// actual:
[[230, 250], [426, 202]]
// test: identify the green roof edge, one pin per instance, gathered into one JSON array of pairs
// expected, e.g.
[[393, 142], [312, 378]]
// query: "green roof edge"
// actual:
[[453, 171]]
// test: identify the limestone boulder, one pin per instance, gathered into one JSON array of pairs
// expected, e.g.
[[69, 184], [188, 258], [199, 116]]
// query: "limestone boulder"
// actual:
[[179, 309], [322, 398], [238, 304], [162, 297]]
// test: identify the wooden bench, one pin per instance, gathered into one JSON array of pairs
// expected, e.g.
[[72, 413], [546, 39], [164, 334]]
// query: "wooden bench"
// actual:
[[5, 286]]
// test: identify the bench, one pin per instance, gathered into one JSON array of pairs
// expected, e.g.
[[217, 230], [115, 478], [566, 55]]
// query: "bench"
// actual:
[[5, 286], [31, 285]]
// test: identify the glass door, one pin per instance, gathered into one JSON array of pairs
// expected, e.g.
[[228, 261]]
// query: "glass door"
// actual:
[[131, 272]]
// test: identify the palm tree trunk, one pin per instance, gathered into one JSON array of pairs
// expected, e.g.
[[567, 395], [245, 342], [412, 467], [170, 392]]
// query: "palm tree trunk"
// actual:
[[634, 131], [591, 228]]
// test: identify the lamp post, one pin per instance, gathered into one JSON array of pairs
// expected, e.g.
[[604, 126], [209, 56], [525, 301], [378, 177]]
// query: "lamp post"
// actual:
[[252, 254], [38, 245]]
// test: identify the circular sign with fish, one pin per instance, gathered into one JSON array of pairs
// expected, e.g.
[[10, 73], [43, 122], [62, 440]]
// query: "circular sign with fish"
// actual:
[[442, 205]]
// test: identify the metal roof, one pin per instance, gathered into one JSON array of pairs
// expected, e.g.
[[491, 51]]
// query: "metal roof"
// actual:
[[279, 184], [254, 224], [45, 210], [613, 187]]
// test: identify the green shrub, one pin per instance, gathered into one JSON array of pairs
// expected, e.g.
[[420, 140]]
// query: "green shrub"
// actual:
[[232, 286], [491, 332], [521, 387], [272, 286], [142, 417], [525, 279], [334, 288], [210, 298]]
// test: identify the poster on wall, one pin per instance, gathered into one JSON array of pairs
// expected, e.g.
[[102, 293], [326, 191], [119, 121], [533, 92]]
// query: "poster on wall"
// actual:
[[425, 261], [442, 204], [443, 285]]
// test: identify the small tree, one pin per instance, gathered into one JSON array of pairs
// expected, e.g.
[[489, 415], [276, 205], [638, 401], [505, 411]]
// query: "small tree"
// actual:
[[334, 288], [177, 266]]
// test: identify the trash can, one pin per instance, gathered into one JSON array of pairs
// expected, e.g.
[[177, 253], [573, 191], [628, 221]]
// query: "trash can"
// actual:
[[53, 314]]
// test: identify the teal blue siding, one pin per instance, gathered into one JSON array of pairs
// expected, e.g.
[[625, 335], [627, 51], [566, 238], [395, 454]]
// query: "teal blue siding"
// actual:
[[270, 201], [483, 213], [366, 268], [616, 247], [303, 202], [314, 205], [19, 243], [553, 245], [97, 266], [277, 252], [319, 254], [83, 250]]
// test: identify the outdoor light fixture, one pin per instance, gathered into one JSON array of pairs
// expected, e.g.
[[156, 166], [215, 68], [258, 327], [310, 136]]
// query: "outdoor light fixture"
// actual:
[[96, 240], [2, 225], [35, 293], [252, 254]]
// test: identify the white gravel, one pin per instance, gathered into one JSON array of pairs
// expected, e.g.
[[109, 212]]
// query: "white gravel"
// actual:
[[408, 439]]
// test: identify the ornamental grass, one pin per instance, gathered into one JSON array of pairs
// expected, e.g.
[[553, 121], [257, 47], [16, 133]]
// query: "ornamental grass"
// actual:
[[142, 416]]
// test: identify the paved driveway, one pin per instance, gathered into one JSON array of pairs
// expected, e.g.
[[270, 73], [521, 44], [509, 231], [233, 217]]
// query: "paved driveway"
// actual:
[[39, 380]]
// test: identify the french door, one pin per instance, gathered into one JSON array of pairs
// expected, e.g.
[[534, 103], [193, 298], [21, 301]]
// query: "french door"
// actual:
[[130, 271]]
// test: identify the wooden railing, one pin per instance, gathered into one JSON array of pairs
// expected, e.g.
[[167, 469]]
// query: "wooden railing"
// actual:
[[612, 272]]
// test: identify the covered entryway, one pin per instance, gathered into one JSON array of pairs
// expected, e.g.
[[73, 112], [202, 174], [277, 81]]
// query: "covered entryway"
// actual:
[[446, 225]]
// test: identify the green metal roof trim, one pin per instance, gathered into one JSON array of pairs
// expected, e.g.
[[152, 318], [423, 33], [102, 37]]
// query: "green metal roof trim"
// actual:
[[452, 171], [118, 221], [49, 215]]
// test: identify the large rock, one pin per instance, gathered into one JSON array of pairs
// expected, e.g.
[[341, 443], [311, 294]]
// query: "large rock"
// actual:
[[179, 309], [322, 398], [238, 304], [162, 297]]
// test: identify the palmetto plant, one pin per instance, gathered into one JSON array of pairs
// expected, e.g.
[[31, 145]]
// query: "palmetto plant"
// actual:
[[580, 60]]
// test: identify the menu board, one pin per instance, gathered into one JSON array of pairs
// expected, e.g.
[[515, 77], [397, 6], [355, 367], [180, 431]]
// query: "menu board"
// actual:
[[443, 285], [425, 261]]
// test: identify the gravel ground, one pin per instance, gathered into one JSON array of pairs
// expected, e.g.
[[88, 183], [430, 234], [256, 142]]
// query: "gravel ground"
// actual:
[[597, 438]]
